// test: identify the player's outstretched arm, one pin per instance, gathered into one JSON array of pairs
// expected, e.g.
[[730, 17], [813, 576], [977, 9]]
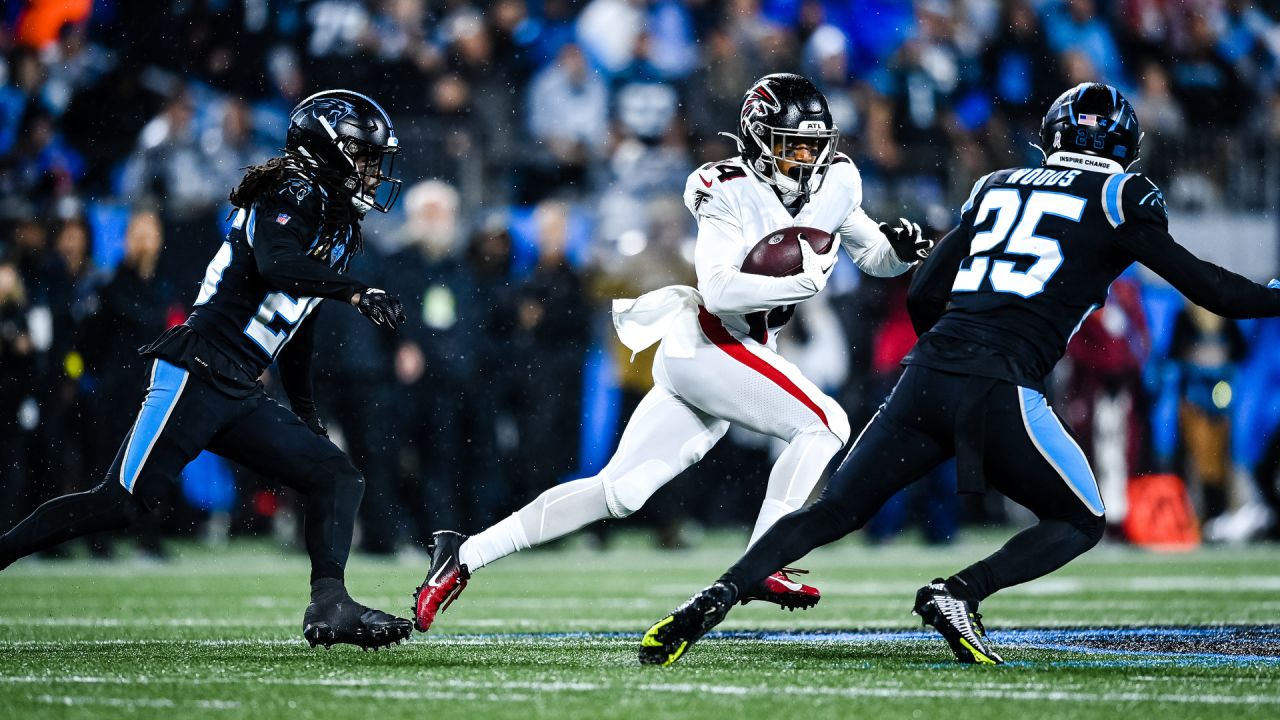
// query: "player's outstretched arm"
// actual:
[[1135, 207], [1210, 286], [931, 285]]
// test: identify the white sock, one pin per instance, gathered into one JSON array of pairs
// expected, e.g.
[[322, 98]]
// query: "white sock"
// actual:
[[794, 475], [503, 538], [553, 514]]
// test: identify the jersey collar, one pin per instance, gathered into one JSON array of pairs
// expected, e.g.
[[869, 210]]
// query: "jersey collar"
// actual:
[[1079, 161]]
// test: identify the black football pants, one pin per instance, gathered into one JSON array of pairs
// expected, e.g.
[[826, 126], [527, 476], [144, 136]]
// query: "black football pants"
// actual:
[[181, 416], [1024, 451]]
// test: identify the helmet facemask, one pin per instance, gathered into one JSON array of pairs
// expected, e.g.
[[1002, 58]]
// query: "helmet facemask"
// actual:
[[372, 182], [805, 173], [347, 139]]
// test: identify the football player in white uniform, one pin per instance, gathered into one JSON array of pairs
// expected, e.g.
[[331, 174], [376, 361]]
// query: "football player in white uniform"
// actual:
[[717, 363]]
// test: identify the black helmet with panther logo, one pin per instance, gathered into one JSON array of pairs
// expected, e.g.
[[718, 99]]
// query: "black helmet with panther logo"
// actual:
[[779, 113], [351, 143], [1094, 120]]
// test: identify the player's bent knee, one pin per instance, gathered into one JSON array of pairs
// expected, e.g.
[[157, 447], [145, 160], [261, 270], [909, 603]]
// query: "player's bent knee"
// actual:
[[1092, 527], [833, 421], [628, 493], [113, 496], [838, 422], [338, 473]]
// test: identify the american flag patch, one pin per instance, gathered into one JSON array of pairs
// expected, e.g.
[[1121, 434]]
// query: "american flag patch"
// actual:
[[282, 218], [1085, 119]]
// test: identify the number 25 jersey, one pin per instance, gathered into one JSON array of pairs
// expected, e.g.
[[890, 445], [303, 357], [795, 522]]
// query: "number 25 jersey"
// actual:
[[1035, 252]]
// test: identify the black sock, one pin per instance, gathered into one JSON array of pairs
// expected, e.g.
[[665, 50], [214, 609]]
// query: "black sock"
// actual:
[[330, 521], [106, 507], [327, 589], [790, 539], [963, 589], [1032, 553], [733, 586]]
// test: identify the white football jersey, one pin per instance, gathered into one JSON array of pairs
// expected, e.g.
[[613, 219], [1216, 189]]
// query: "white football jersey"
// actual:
[[735, 209]]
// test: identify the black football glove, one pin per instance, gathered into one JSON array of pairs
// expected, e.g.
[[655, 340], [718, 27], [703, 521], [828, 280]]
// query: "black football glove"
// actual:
[[381, 307], [908, 243]]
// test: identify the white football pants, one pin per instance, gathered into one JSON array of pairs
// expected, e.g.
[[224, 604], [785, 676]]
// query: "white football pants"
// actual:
[[723, 378]]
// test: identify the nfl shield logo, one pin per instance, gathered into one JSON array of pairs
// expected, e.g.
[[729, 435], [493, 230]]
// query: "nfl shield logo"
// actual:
[[282, 218]]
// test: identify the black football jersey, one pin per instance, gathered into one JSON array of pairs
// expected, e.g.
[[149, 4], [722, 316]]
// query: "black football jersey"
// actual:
[[278, 262], [1034, 254]]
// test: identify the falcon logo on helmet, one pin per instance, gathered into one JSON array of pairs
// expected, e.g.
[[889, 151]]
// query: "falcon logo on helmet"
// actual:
[[786, 134], [760, 101]]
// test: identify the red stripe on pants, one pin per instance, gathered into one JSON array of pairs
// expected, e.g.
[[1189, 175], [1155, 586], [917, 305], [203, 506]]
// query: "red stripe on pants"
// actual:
[[716, 333]]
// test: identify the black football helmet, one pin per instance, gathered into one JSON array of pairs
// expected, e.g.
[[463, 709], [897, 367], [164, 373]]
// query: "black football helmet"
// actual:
[[780, 112], [351, 143], [1091, 119]]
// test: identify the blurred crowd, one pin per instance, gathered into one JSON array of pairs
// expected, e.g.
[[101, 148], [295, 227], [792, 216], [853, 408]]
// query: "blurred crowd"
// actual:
[[546, 143]]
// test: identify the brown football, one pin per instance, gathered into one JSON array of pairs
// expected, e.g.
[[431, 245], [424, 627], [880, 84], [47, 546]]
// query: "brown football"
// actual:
[[778, 254]]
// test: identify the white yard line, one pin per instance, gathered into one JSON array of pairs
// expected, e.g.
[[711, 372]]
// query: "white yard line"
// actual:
[[165, 703], [410, 690]]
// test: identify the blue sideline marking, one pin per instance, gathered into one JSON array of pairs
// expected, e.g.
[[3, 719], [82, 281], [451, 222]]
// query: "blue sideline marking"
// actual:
[[1074, 640]]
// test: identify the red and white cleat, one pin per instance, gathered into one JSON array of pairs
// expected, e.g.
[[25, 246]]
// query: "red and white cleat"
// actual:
[[781, 590], [445, 581]]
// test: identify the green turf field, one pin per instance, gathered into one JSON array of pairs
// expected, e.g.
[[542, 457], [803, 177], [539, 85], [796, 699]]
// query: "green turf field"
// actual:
[[555, 633]]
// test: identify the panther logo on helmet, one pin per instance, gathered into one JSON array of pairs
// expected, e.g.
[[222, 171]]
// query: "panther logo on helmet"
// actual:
[[331, 110]]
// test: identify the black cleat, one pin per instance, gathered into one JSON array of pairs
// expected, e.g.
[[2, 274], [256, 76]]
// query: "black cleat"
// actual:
[[333, 618], [446, 579], [671, 636], [959, 624]]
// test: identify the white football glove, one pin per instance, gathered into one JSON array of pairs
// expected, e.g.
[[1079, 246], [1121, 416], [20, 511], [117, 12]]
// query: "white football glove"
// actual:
[[816, 269]]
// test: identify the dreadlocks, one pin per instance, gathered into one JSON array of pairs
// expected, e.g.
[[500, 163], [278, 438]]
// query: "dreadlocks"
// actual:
[[260, 178]]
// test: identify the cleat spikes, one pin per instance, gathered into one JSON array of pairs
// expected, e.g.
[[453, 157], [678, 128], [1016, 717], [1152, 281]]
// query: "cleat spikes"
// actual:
[[446, 579], [670, 637], [958, 622], [333, 618]]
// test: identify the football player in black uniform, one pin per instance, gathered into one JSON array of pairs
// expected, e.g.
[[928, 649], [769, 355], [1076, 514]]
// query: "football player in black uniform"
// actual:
[[995, 305], [295, 231]]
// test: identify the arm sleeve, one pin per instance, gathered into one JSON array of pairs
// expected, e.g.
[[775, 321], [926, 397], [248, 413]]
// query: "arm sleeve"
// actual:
[[1135, 207], [281, 227], [869, 248], [1210, 286], [718, 256], [294, 364], [931, 285]]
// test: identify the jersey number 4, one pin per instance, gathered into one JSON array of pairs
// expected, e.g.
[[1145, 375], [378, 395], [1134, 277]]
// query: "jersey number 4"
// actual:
[[1008, 207]]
